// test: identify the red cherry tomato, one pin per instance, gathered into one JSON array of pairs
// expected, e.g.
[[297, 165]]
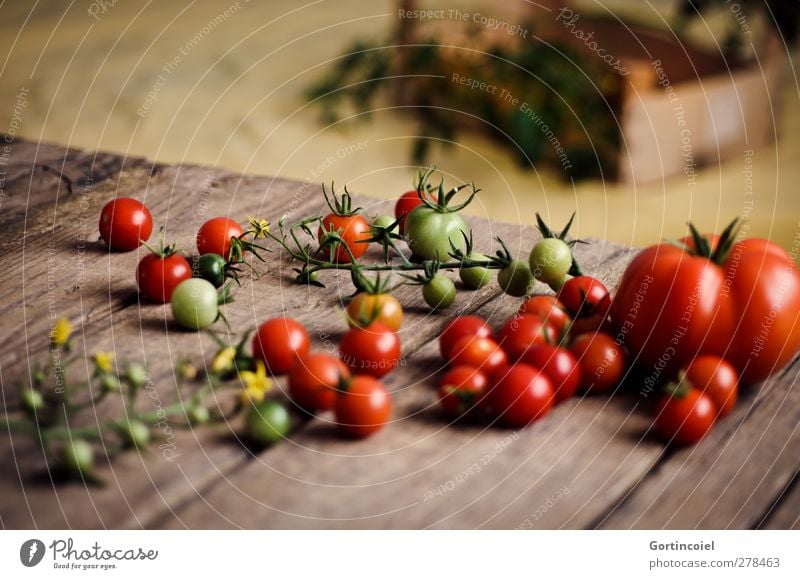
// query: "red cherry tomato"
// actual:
[[522, 332], [548, 309], [215, 235], [685, 419], [279, 343], [354, 229], [717, 378], [405, 204], [314, 380], [157, 276], [363, 408], [460, 327], [461, 389], [601, 359], [125, 223], [482, 353], [559, 364], [585, 296], [374, 350], [522, 395], [590, 325]]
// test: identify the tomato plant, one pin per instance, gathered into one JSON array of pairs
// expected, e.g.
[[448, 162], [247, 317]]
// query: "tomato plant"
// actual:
[[522, 395], [560, 366], [195, 304], [214, 236], [482, 353], [685, 417], [373, 350], [314, 380], [280, 343], [715, 377], [521, 332], [585, 296], [461, 389], [362, 407], [549, 310], [160, 272], [740, 300], [460, 327], [601, 359], [125, 223], [267, 422], [352, 228]]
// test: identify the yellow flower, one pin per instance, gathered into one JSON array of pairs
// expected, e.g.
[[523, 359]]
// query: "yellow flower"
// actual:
[[251, 396], [260, 226], [223, 361], [61, 332], [104, 361], [256, 384]]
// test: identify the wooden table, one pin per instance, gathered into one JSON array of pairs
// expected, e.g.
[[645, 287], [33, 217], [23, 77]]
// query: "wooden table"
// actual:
[[590, 464]]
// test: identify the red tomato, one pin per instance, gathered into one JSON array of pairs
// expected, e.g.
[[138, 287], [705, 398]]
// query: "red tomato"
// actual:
[[157, 276], [407, 201], [215, 235], [548, 309], [673, 305], [363, 408], [590, 325], [460, 327], [522, 332], [717, 378], [601, 359], [314, 380], [374, 350], [559, 364], [685, 419], [522, 395], [354, 229], [482, 353], [585, 296], [125, 223], [279, 343], [461, 389]]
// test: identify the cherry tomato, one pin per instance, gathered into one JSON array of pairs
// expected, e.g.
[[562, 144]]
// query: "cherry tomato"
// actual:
[[215, 235], [195, 304], [407, 202], [211, 267], [522, 395], [366, 308], [77, 457], [461, 389], [585, 296], [374, 350], [550, 261], [430, 232], [482, 353], [715, 377], [549, 310], [363, 408], [601, 359], [475, 277], [559, 364], [267, 422], [522, 332], [125, 223], [158, 276], [460, 327], [440, 292], [516, 278], [280, 343], [590, 325], [686, 418], [354, 229], [314, 380]]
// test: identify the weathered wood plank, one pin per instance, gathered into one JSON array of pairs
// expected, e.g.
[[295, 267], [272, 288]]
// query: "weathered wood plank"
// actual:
[[785, 513]]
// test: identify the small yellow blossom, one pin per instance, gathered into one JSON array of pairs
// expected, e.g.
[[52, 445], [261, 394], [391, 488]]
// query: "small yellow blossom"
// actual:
[[223, 361], [186, 370], [61, 332], [260, 226], [252, 396], [104, 361], [256, 384]]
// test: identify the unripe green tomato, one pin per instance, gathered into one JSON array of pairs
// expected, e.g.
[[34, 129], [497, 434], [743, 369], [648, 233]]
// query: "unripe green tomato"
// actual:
[[136, 433], [194, 304], [32, 400], [109, 383], [516, 279], [211, 267], [267, 422], [550, 261], [383, 221], [199, 415], [77, 457], [136, 375], [429, 232], [440, 292], [475, 277]]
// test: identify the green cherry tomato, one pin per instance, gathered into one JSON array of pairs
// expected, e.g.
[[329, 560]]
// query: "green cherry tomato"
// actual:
[[550, 261], [516, 278], [210, 267], [194, 304], [475, 277], [429, 232], [136, 433], [267, 422], [32, 400], [199, 415], [440, 292], [110, 383], [77, 457], [383, 221], [136, 375]]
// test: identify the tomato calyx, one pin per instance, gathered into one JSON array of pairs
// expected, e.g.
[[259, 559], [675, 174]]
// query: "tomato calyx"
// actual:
[[442, 202], [703, 247], [386, 236], [678, 389], [340, 205], [563, 235], [161, 250]]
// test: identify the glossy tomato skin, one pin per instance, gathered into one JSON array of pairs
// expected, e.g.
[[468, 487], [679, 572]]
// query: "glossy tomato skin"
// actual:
[[157, 277], [363, 408], [522, 395], [601, 359], [521, 332], [125, 223], [671, 306], [314, 380], [549, 310], [384, 308], [429, 232], [406, 203], [374, 350], [715, 377], [214, 236], [482, 353], [585, 296], [460, 327], [685, 419], [280, 343], [461, 390], [354, 229], [560, 366]]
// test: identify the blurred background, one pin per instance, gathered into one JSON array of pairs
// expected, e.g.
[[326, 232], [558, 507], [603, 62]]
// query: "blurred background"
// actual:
[[639, 116]]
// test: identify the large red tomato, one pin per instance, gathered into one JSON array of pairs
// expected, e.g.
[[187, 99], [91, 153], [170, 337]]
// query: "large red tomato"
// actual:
[[742, 303]]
